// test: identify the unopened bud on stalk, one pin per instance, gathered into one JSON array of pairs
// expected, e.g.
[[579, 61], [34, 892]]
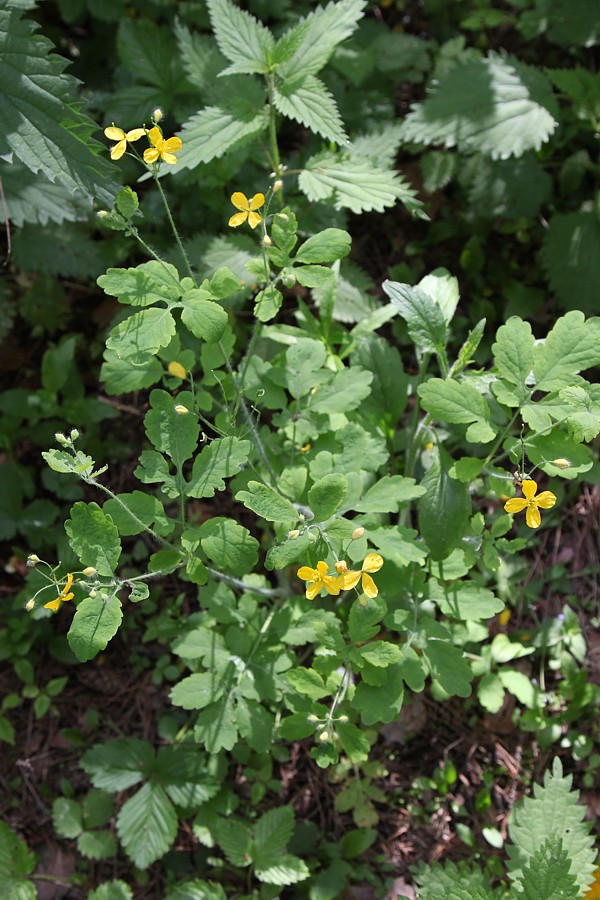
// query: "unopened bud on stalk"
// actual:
[[343, 719], [157, 115], [74, 434], [30, 604], [277, 185], [561, 463], [102, 214], [324, 737], [32, 560], [283, 216], [181, 410], [61, 439], [267, 241], [89, 571], [293, 534], [358, 533], [313, 718], [341, 566]]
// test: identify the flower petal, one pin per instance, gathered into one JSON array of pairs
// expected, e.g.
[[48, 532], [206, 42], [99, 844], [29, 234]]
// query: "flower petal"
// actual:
[[529, 488], [173, 145], [168, 158], [54, 604], [322, 568], [257, 201], [150, 155], [66, 597], [155, 136], [240, 201], [118, 150], [517, 504], [113, 133], [372, 562], [312, 590], [350, 579], [332, 584], [369, 587], [546, 499], [69, 582], [238, 219], [533, 517], [306, 573], [253, 219], [135, 134]]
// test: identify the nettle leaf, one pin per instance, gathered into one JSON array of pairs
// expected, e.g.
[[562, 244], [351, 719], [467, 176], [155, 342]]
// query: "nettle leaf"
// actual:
[[582, 88], [571, 259], [353, 183], [547, 875], [204, 318], [245, 41], [16, 863], [267, 503], [230, 546], [142, 334], [389, 494], [32, 197], [498, 106], [200, 58], [96, 621], [464, 600], [444, 511], [424, 317], [220, 459], [148, 51], [513, 357], [118, 764], [460, 882], [305, 48], [389, 389], [327, 495], [94, 537], [571, 346], [311, 104], [150, 282], [217, 130], [324, 247], [459, 403], [147, 825], [170, 433], [43, 125]]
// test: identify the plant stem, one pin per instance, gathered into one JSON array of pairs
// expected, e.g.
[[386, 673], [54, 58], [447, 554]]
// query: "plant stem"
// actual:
[[174, 229]]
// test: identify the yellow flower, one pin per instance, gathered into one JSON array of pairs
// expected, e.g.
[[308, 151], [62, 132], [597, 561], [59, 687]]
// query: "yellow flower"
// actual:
[[530, 503], [248, 207], [318, 578], [161, 148], [593, 892], [123, 138], [371, 563], [64, 595], [175, 368]]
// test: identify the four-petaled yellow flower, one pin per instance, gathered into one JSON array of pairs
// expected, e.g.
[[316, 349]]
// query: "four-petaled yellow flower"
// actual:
[[371, 563], [65, 594], [531, 503], [161, 148], [123, 138], [248, 207], [318, 578]]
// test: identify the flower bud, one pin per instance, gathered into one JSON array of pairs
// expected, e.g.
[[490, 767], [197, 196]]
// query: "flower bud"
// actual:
[[74, 434], [358, 533], [30, 604], [89, 571], [343, 719], [32, 560], [175, 368], [324, 737], [312, 718], [341, 566], [293, 534], [277, 185], [561, 463], [93, 594], [102, 214], [267, 241], [283, 216], [181, 410], [363, 600], [157, 115], [61, 439], [312, 537]]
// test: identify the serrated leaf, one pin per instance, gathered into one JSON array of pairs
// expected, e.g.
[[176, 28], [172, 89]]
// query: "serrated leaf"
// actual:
[[571, 259], [513, 357], [311, 104], [147, 825], [424, 317], [282, 555], [150, 282], [288, 870], [268, 303], [111, 890], [272, 834], [142, 334], [235, 840], [217, 130], [547, 875], [204, 318], [121, 376], [96, 621], [16, 863], [327, 495], [244, 40], [148, 51], [305, 48], [572, 346], [66, 817], [346, 390], [198, 690], [199, 56], [32, 197], [97, 844], [307, 682], [118, 764], [94, 537], [498, 106], [216, 727], [458, 402], [220, 459], [267, 503], [459, 882], [380, 654]]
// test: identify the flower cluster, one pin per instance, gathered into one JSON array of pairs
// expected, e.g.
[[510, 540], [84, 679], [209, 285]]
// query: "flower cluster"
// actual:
[[159, 149], [344, 580]]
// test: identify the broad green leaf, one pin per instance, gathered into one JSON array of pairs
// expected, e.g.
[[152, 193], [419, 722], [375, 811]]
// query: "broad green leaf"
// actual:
[[127, 203], [380, 704], [458, 402], [16, 863], [442, 287], [364, 621], [324, 247], [66, 817], [389, 494], [571, 259], [230, 546], [490, 692], [97, 844], [199, 56], [154, 468], [150, 282], [448, 667], [268, 303], [379, 653], [354, 743], [584, 422], [289, 869], [148, 51], [444, 511], [424, 317], [272, 833], [346, 390], [296, 727], [292, 550], [513, 357], [307, 682], [205, 644], [170, 433], [304, 360], [147, 825], [121, 376], [245, 41], [398, 544], [327, 495], [195, 890], [94, 537], [459, 882], [235, 840], [205, 319], [220, 459], [582, 88], [389, 389], [353, 183], [543, 448], [111, 890], [571, 346], [311, 104], [318, 277], [145, 508], [216, 727], [95, 622], [197, 691], [216, 130], [142, 334], [32, 197], [118, 764], [267, 503], [498, 106], [43, 125], [465, 600], [520, 685]]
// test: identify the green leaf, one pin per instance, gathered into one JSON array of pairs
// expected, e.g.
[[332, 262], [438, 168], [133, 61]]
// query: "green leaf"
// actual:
[[547, 875], [148, 51], [345, 391], [267, 503], [118, 764], [458, 402], [571, 259], [205, 319], [170, 433], [444, 511], [127, 203], [16, 863], [216, 130], [145, 507], [121, 376], [389, 494], [364, 621], [230, 546], [354, 743], [571, 346], [147, 825], [304, 359], [324, 247], [582, 88], [150, 282], [216, 727], [379, 654], [97, 844], [66, 463], [268, 303], [311, 104], [111, 890], [282, 555], [94, 538], [199, 690], [465, 600], [154, 468], [513, 358], [142, 334], [66, 817], [289, 869], [241, 38], [381, 703], [307, 682], [235, 841], [43, 125], [220, 459], [424, 317], [327, 495], [32, 197], [490, 692], [353, 183], [498, 106], [448, 667], [442, 287], [459, 882], [96, 621], [389, 388], [519, 685], [272, 834]]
